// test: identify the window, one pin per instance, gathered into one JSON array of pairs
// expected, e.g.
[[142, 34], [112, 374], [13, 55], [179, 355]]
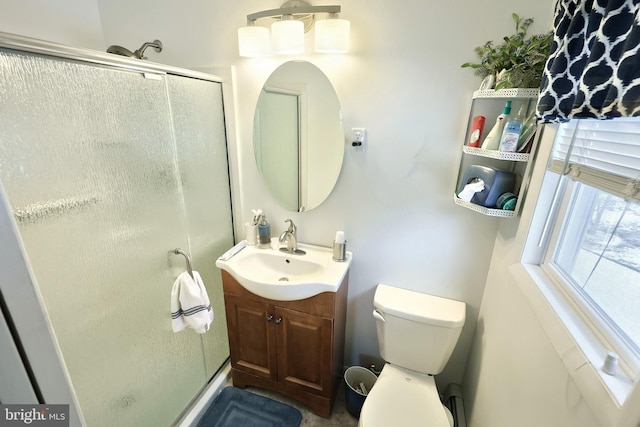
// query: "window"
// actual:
[[591, 242], [596, 252]]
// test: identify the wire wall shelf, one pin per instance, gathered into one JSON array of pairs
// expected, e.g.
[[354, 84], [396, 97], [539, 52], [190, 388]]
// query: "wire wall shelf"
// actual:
[[495, 154], [507, 93], [486, 211]]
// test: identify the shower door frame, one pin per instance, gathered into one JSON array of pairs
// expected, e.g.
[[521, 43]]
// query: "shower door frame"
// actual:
[[21, 302]]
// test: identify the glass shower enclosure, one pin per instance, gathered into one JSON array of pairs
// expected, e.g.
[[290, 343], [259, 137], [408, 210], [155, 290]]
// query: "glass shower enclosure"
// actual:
[[109, 165]]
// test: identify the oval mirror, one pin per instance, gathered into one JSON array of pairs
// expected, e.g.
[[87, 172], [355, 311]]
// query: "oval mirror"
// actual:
[[298, 137]]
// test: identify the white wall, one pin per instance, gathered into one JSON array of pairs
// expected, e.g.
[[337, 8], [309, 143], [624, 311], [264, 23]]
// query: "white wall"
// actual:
[[70, 22], [402, 82], [515, 375]]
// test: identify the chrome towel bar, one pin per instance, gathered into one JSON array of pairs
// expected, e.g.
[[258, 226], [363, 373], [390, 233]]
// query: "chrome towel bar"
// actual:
[[186, 256]]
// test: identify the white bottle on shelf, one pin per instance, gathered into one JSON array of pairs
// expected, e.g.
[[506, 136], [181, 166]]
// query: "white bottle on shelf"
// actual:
[[492, 141]]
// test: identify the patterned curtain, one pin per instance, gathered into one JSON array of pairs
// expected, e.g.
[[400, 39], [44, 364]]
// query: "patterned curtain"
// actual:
[[593, 70]]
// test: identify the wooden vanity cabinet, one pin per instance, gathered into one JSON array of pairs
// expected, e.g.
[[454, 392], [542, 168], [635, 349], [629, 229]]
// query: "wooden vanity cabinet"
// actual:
[[293, 347]]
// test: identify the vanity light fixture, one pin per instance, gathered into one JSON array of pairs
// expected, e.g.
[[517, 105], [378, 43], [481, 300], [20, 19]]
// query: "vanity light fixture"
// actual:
[[287, 36], [253, 41], [293, 19], [332, 35]]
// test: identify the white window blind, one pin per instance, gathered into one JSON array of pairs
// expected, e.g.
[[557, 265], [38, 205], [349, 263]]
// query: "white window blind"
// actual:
[[602, 153]]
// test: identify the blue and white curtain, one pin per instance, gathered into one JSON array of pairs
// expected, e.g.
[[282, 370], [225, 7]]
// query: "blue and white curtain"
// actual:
[[593, 70]]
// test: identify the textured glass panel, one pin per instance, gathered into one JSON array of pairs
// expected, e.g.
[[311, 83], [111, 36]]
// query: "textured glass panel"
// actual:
[[196, 108], [88, 163]]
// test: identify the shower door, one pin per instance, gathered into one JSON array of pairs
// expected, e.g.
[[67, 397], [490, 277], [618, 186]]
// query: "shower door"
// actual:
[[198, 123], [107, 171]]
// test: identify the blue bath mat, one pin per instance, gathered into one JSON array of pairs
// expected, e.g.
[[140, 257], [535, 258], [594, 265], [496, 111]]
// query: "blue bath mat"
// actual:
[[238, 408]]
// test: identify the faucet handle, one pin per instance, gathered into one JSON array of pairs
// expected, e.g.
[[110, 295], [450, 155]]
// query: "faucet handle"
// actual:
[[292, 227]]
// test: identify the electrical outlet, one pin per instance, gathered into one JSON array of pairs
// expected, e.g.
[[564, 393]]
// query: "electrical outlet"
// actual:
[[358, 136]]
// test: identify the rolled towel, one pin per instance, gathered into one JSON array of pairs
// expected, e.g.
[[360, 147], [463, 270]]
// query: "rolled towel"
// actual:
[[190, 305]]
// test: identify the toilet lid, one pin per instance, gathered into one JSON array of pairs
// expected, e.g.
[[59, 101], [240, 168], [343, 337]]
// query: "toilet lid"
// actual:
[[403, 398]]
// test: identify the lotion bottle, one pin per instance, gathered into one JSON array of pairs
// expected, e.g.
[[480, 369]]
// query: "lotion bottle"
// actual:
[[511, 133], [492, 141]]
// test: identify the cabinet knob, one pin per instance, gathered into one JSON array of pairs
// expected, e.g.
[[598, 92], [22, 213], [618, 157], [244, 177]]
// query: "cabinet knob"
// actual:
[[279, 320], [269, 318]]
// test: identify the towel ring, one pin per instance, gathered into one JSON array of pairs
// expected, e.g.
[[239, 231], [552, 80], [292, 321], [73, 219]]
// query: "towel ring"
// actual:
[[186, 256]]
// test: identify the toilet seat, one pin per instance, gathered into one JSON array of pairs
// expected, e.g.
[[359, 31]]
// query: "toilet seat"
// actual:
[[401, 397]]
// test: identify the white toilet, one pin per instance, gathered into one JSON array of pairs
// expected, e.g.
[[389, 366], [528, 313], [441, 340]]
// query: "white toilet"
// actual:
[[416, 335]]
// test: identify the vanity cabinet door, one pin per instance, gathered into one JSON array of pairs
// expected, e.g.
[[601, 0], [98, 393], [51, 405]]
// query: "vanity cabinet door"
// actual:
[[252, 336], [293, 347], [304, 351]]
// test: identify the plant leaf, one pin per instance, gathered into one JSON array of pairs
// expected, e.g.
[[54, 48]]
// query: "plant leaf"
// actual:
[[527, 57]]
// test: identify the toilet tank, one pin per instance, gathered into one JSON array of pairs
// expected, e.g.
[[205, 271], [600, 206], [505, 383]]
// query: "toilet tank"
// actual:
[[416, 331]]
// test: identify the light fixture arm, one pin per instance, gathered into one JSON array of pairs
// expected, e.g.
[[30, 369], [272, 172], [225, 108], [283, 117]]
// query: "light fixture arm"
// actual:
[[296, 10]]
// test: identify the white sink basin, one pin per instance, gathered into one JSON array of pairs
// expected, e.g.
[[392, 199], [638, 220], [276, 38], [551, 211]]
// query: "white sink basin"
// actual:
[[281, 276]]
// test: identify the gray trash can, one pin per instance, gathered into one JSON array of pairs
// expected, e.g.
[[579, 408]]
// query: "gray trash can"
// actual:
[[355, 378]]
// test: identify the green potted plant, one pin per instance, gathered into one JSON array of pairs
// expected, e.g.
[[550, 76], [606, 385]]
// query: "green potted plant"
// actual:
[[516, 62]]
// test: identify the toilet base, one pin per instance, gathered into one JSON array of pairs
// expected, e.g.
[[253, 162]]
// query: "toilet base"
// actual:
[[404, 397]]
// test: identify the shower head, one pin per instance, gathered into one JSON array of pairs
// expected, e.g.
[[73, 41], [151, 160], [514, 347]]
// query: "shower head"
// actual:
[[119, 50], [139, 54]]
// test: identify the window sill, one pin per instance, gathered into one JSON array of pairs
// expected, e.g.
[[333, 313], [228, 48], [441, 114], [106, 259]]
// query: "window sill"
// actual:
[[576, 345]]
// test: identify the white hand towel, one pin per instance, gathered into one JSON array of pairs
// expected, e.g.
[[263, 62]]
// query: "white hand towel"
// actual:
[[190, 305]]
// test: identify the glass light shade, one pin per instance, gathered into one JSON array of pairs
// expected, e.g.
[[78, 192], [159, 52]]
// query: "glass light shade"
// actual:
[[332, 35], [287, 36], [253, 41]]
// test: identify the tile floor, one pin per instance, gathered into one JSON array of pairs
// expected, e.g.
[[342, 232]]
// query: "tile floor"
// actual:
[[339, 416]]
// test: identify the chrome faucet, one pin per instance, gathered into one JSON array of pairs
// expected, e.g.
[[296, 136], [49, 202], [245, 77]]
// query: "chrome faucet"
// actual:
[[291, 237]]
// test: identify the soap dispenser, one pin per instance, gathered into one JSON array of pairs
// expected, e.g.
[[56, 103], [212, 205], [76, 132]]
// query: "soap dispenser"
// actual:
[[264, 232]]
